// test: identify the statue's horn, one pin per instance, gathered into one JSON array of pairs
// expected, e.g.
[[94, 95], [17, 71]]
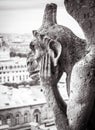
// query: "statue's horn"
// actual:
[[54, 12], [49, 15]]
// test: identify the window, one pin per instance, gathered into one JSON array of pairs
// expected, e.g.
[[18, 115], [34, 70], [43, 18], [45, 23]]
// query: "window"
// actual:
[[17, 119], [9, 120], [13, 78], [0, 79], [4, 79], [20, 77], [37, 116], [14, 66], [25, 117], [10, 67], [1, 121], [8, 78], [18, 66]]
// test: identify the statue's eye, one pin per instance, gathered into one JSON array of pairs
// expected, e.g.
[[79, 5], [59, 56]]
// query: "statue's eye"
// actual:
[[32, 46]]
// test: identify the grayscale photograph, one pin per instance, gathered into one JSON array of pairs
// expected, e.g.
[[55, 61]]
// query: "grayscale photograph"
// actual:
[[47, 71]]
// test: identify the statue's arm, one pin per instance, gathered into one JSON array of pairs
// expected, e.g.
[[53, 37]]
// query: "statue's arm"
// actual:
[[49, 82], [54, 100], [60, 101]]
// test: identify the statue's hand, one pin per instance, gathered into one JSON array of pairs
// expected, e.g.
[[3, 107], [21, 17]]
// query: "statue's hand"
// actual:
[[46, 74]]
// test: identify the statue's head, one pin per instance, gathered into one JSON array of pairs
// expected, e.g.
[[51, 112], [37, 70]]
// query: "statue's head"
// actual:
[[59, 40], [41, 45], [43, 40]]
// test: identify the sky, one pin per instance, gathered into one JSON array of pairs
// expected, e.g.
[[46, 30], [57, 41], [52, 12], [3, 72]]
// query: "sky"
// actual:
[[23, 16]]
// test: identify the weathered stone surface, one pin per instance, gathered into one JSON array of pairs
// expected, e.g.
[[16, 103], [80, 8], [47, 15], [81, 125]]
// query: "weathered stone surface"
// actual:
[[75, 59], [84, 13]]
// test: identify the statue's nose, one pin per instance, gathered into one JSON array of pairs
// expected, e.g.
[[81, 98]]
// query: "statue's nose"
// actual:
[[29, 62]]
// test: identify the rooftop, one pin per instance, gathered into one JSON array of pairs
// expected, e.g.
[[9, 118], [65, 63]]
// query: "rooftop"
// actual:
[[12, 97], [12, 61]]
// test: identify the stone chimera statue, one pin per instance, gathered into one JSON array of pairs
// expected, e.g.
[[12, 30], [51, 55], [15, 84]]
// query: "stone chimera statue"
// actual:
[[56, 50]]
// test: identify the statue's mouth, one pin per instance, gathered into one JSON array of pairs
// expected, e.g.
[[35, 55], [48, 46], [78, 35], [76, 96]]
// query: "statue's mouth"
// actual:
[[34, 73], [33, 69]]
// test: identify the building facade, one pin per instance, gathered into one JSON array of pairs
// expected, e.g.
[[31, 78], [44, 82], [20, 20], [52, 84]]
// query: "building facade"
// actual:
[[19, 118], [21, 108], [13, 70]]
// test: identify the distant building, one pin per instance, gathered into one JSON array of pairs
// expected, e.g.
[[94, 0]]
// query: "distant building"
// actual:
[[22, 109], [4, 50], [1, 40], [4, 53], [13, 70]]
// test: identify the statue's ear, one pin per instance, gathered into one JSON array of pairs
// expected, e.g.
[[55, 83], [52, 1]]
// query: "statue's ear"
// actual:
[[56, 47]]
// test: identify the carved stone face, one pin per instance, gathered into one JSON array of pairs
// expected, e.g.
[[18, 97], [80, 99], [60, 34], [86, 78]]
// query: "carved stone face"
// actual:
[[34, 58], [39, 47], [58, 39]]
